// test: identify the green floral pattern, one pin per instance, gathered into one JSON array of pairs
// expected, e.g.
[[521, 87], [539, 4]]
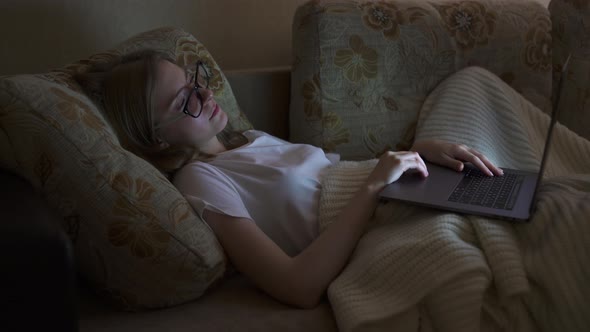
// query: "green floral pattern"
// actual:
[[135, 236], [357, 62], [470, 23], [363, 68], [382, 16], [537, 51]]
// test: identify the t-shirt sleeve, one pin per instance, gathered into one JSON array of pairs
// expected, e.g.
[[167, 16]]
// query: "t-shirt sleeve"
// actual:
[[205, 187]]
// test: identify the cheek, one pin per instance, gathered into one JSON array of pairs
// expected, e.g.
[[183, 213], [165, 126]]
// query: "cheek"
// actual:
[[185, 131]]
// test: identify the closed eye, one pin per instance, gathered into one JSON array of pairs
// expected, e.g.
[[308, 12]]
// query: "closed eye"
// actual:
[[180, 104], [180, 99]]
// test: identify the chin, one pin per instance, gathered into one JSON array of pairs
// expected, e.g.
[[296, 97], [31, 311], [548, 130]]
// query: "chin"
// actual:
[[223, 119]]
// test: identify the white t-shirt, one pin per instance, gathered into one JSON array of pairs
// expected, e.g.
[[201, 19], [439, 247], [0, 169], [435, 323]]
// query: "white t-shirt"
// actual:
[[270, 181]]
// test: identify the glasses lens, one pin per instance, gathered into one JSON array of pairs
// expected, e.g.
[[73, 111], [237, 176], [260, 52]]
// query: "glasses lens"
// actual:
[[190, 73], [203, 76], [194, 103]]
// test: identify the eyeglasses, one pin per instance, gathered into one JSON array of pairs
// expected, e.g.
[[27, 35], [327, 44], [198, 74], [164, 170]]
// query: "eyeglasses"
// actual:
[[199, 78]]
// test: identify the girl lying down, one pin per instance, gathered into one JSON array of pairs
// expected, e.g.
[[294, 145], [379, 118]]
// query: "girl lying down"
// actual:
[[269, 203]]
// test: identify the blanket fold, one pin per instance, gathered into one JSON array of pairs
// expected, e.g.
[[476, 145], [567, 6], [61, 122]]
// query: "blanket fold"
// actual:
[[421, 269]]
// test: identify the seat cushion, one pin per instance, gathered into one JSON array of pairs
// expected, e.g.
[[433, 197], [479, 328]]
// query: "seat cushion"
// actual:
[[235, 305], [135, 237]]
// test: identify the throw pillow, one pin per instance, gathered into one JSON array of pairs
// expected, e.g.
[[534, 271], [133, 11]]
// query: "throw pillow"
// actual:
[[134, 235]]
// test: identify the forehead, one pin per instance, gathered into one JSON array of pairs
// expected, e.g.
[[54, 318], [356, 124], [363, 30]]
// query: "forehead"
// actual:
[[168, 72], [170, 78]]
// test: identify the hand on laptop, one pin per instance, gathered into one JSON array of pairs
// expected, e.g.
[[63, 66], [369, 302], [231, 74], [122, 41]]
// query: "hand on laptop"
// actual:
[[392, 165], [453, 155]]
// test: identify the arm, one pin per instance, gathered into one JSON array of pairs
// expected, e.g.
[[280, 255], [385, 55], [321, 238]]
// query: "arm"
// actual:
[[453, 155], [302, 280]]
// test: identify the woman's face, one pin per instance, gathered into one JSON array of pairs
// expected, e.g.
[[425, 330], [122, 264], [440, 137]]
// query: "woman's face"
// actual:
[[171, 90]]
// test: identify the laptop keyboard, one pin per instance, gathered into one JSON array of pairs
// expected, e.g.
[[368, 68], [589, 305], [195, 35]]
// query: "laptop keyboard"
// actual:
[[476, 188]]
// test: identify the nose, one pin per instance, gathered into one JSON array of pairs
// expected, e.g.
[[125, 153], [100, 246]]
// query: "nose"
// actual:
[[205, 94]]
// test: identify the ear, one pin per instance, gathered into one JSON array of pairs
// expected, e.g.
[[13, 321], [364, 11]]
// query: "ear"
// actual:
[[161, 144]]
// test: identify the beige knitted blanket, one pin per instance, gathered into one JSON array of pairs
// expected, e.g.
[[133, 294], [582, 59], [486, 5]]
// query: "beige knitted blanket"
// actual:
[[419, 269]]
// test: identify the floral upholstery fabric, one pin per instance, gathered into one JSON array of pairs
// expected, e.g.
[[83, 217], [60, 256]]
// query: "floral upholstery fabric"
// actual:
[[135, 237], [571, 34], [363, 68]]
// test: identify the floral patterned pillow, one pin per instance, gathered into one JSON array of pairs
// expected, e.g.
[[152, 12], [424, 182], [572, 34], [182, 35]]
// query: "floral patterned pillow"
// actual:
[[135, 237], [362, 69]]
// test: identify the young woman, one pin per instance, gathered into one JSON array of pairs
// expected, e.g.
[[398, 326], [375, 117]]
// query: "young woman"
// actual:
[[259, 194]]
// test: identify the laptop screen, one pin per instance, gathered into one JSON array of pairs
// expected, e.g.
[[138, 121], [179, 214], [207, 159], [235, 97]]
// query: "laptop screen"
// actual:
[[554, 113]]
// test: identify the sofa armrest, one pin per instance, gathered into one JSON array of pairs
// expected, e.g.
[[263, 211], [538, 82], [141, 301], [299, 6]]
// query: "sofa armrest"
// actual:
[[38, 277], [571, 35], [571, 28], [263, 95]]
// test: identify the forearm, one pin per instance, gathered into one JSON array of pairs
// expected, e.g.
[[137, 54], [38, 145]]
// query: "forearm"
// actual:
[[303, 279], [324, 259]]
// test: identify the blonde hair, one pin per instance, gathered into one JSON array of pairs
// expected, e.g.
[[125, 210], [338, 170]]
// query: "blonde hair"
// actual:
[[123, 89]]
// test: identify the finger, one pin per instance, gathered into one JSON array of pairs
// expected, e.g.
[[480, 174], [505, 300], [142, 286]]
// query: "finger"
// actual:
[[404, 161], [452, 163], [411, 160], [495, 170], [469, 156], [418, 164], [421, 161]]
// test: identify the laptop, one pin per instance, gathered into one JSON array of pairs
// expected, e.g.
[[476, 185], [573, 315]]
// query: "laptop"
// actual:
[[510, 197]]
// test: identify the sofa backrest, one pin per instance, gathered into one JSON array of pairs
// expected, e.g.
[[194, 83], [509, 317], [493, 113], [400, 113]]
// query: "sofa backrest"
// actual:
[[363, 68]]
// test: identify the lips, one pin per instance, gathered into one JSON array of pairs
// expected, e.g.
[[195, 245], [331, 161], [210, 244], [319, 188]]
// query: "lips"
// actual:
[[215, 111]]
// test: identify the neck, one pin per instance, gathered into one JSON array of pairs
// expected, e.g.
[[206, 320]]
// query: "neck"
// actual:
[[214, 146]]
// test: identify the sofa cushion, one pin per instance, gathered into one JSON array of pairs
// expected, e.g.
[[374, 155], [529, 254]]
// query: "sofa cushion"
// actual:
[[235, 305], [571, 34], [362, 69], [135, 237]]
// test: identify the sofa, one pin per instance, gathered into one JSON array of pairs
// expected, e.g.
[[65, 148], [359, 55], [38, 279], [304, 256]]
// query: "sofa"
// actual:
[[360, 73]]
